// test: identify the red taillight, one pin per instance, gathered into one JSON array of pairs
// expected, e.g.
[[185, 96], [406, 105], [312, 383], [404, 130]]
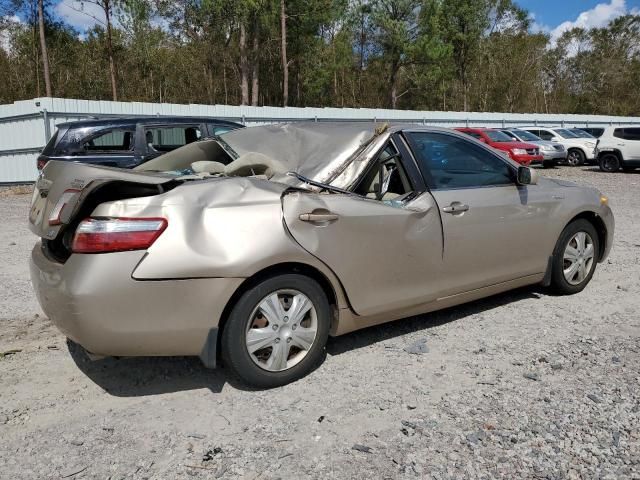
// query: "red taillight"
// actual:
[[100, 235], [41, 162]]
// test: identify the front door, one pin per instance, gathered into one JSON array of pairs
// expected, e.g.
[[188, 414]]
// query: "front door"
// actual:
[[494, 230], [384, 241]]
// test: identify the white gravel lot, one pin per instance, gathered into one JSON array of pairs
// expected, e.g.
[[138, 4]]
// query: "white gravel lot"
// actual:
[[520, 385]]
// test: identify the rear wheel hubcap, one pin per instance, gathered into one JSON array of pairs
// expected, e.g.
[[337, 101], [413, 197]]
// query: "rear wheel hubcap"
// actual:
[[281, 330]]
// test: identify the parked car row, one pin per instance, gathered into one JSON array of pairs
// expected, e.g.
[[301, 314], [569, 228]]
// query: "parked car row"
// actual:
[[538, 145], [129, 142], [579, 149]]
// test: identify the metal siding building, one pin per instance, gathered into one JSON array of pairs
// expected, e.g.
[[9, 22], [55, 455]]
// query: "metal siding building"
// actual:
[[26, 126]]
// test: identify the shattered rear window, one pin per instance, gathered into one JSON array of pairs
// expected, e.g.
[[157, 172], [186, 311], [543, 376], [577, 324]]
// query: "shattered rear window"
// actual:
[[83, 139]]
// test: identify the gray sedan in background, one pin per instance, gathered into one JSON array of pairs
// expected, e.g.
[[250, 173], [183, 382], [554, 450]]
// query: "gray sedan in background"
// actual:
[[255, 246], [552, 152]]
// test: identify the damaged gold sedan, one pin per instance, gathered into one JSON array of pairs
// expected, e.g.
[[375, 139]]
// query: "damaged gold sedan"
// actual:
[[255, 246]]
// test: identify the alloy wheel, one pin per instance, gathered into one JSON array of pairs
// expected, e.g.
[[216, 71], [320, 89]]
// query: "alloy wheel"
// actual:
[[578, 258], [574, 158], [281, 330], [610, 163]]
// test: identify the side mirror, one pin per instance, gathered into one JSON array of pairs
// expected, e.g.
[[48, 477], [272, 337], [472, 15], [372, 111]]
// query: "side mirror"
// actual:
[[527, 176]]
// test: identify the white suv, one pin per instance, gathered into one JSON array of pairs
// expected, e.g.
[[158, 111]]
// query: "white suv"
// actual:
[[619, 147], [579, 149]]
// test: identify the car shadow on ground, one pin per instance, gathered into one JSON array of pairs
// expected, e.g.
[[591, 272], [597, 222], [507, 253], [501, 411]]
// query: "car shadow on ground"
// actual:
[[143, 376], [595, 168], [389, 331]]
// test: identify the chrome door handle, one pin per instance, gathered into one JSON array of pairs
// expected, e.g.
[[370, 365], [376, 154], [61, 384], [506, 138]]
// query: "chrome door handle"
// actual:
[[318, 217], [456, 207]]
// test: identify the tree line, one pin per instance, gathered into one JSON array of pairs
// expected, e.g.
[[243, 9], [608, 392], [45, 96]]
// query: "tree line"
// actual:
[[462, 55]]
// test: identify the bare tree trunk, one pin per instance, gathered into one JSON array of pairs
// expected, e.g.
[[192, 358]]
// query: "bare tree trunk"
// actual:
[[285, 62], [224, 79], [444, 97], [244, 66], [36, 56], [255, 68], [43, 47], [393, 88], [112, 64], [465, 96]]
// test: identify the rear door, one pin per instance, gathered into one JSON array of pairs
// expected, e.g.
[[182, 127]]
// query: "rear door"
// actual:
[[494, 230], [384, 242], [632, 143]]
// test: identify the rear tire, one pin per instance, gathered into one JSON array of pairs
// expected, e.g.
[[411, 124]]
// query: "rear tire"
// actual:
[[575, 257], [609, 162], [260, 319], [575, 158]]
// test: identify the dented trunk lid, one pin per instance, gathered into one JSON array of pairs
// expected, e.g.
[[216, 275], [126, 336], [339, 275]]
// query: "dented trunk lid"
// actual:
[[63, 188]]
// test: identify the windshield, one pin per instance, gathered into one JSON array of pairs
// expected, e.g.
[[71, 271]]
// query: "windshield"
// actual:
[[581, 133], [527, 136], [564, 133], [498, 136]]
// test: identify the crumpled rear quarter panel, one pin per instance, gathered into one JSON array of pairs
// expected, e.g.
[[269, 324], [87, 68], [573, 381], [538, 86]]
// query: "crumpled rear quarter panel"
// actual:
[[228, 227]]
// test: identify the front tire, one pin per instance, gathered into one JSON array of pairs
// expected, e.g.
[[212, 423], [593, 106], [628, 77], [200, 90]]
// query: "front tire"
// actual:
[[277, 331], [548, 163], [575, 257], [609, 162], [575, 158]]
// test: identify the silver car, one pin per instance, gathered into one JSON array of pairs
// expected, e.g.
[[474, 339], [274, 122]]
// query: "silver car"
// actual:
[[255, 246], [552, 152]]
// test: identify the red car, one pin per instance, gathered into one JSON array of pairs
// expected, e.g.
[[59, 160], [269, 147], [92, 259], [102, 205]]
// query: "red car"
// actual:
[[523, 153]]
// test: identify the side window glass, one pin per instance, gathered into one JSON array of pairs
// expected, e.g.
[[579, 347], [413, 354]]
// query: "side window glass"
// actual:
[[618, 133], [451, 162], [386, 180], [219, 129], [165, 139], [545, 135], [632, 134], [111, 141]]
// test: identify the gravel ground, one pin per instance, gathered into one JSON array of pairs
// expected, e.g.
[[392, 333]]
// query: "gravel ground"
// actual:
[[520, 385]]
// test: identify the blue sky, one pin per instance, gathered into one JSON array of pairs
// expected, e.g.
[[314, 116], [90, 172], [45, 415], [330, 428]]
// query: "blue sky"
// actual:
[[557, 16], [554, 12], [551, 16]]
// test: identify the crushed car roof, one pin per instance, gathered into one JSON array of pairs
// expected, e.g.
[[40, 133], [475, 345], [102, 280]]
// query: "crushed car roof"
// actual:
[[308, 148]]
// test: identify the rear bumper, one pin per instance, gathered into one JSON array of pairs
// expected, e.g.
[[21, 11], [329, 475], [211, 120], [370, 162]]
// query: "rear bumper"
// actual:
[[94, 301]]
